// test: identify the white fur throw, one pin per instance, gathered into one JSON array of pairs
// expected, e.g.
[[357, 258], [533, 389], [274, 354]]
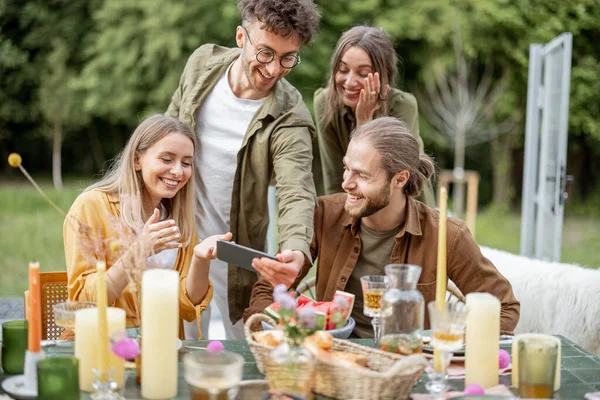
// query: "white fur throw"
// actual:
[[555, 298]]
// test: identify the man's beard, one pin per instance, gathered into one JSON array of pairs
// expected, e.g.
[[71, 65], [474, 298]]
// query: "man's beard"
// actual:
[[373, 203]]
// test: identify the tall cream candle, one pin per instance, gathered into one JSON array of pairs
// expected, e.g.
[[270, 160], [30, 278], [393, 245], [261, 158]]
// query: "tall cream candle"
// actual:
[[86, 345], [482, 340], [515, 357], [441, 278], [441, 274], [101, 301], [160, 328]]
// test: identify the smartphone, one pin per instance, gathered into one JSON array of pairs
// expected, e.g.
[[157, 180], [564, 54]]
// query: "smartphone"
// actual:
[[236, 254]]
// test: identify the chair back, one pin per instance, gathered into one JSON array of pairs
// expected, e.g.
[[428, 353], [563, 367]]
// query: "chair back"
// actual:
[[53, 287]]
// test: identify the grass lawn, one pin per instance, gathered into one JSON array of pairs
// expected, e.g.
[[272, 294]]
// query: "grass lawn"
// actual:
[[32, 230]]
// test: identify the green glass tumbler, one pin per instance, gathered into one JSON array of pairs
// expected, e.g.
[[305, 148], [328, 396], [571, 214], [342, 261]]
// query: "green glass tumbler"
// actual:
[[14, 346], [58, 378]]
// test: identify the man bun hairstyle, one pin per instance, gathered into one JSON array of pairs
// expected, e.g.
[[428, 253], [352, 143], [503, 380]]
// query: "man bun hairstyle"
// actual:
[[283, 17], [399, 150]]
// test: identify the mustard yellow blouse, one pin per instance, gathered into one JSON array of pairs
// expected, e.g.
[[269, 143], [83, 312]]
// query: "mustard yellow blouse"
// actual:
[[94, 209]]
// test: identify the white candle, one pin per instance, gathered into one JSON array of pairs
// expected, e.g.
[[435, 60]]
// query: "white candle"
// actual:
[[160, 330], [87, 341], [482, 340], [515, 357]]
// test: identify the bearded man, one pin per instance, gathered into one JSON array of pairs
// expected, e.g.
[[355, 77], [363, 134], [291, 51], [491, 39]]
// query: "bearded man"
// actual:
[[377, 221]]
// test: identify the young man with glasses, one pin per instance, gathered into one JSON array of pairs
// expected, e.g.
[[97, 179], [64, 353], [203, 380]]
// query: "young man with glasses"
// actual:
[[254, 129]]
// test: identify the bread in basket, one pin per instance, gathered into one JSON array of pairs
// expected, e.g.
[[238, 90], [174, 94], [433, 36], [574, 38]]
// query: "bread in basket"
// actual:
[[388, 376]]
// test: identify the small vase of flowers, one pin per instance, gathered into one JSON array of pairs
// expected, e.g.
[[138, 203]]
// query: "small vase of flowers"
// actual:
[[290, 367]]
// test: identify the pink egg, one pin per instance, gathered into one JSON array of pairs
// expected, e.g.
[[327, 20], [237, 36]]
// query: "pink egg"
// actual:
[[126, 348], [215, 346], [474, 388], [503, 359]]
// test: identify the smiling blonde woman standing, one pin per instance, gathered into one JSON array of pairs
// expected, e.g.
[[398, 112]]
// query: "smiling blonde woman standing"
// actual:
[[148, 189], [361, 87]]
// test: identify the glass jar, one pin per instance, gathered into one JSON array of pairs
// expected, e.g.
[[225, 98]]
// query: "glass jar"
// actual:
[[403, 310], [290, 369]]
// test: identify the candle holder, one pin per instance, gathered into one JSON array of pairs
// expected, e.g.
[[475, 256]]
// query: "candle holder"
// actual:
[[105, 386], [22, 386]]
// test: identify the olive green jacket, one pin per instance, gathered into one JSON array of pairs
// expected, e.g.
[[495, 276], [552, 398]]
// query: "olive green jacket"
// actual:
[[334, 139], [277, 145]]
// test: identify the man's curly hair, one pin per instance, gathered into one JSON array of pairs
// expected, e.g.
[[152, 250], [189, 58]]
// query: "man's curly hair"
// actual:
[[283, 17]]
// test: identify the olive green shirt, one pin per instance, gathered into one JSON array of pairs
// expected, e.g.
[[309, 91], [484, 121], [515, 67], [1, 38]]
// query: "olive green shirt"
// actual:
[[375, 254], [277, 145], [334, 138]]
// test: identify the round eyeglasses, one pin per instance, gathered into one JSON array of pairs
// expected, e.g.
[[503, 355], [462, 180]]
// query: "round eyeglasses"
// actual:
[[266, 55]]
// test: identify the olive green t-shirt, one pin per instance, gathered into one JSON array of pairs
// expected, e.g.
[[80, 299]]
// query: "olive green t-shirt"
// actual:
[[375, 254]]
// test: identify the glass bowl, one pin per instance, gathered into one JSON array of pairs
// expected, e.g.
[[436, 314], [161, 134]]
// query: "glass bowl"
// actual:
[[64, 313]]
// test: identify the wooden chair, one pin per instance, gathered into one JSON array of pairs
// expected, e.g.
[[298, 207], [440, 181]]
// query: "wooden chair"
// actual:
[[53, 287], [453, 293]]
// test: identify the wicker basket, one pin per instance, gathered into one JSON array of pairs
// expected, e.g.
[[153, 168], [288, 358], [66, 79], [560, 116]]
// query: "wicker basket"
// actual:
[[390, 376]]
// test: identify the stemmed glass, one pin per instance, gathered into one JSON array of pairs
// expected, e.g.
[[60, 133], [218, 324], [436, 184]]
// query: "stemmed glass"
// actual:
[[447, 336], [214, 373], [373, 287]]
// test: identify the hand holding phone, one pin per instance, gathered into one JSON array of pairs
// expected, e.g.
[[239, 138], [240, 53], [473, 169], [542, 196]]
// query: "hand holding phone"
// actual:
[[236, 254]]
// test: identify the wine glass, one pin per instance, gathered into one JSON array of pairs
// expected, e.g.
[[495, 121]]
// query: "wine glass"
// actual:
[[373, 287], [447, 336], [216, 374]]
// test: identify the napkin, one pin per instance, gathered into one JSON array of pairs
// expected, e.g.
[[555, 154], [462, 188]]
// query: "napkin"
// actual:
[[456, 370], [592, 396], [498, 390]]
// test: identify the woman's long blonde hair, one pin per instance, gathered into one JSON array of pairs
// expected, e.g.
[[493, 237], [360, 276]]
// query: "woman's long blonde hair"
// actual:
[[378, 45], [122, 180]]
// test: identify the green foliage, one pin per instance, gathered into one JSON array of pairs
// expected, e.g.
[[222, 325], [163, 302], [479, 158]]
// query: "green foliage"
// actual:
[[108, 63]]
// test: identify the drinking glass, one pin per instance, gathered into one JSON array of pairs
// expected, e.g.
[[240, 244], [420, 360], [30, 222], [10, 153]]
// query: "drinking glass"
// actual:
[[537, 367], [373, 287], [58, 378], [14, 345], [447, 336], [213, 375]]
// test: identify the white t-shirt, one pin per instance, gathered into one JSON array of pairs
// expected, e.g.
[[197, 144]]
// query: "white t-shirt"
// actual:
[[221, 124]]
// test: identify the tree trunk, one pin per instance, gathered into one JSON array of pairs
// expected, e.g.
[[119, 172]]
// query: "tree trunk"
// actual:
[[459, 173], [501, 169], [56, 153], [96, 147]]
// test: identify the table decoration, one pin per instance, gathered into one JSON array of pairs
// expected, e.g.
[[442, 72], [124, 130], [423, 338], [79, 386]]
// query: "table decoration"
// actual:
[[447, 333], [213, 374], [373, 287], [289, 367], [160, 328], [14, 346], [482, 339], [441, 273], [537, 367], [86, 346], [515, 357], [403, 310], [58, 378], [64, 313], [385, 376], [26, 385]]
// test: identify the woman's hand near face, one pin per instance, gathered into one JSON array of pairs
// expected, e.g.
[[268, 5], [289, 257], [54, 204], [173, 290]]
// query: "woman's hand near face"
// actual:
[[207, 249], [162, 235], [368, 101]]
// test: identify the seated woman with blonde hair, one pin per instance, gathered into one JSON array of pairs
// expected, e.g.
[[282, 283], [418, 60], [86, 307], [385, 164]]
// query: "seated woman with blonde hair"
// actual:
[[360, 88], [147, 192]]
